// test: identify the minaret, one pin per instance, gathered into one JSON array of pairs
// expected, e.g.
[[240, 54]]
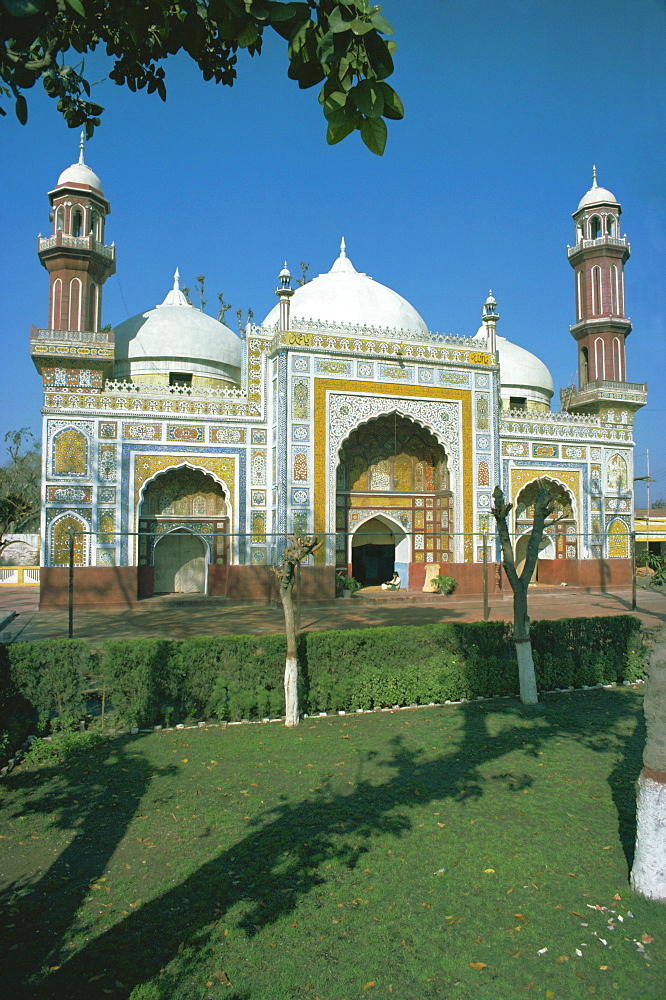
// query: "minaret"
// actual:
[[78, 262], [284, 292], [601, 328], [489, 319]]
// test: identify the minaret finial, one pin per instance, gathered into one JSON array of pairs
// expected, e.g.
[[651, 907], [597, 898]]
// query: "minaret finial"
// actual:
[[82, 145], [176, 281], [594, 177], [343, 247]]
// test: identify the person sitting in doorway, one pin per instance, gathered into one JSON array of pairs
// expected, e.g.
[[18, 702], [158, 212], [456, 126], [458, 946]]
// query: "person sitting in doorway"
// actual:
[[393, 583]]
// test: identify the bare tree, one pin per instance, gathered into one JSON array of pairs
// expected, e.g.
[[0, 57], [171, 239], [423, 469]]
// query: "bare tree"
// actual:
[[298, 548], [544, 506], [303, 280], [224, 307], [648, 875], [201, 278], [19, 485]]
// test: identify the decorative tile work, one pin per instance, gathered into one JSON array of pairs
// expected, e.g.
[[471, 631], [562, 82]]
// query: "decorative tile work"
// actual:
[[106, 557], [482, 419], [74, 380], [595, 478], [106, 494], [484, 522], [258, 436], [300, 472], [426, 376], [69, 452], [300, 496], [483, 474], [258, 468], [68, 494], [617, 476], [301, 399], [570, 478], [300, 432], [483, 499], [365, 369], [107, 462], [258, 498], [418, 541], [258, 557], [403, 373], [226, 435], [618, 539], [258, 523], [333, 367], [59, 531], [482, 442], [618, 505], [359, 517], [142, 432], [481, 381], [299, 364], [300, 520], [595, 454], [545, 451], [569, 452], [106, 522], [455, 378], [108, 430], [516, 449], [595, 503], [183, 432]]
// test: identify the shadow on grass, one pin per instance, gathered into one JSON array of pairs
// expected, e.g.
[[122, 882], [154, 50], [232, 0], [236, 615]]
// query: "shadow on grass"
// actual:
[[279, 860]]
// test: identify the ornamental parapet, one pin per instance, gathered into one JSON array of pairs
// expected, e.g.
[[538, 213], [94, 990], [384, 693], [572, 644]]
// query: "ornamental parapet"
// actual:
[[634, 394], [356, 330], [164, 391], [613, 241], [568, 426], [74, 336], [76, 243]]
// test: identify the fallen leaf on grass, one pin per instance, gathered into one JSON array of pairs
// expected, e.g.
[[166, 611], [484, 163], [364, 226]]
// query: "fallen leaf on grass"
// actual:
[[369, 985], [223, 977], [646, 939], [478, 940], [529, 985], [562, 958], [549, 995], [478, 965], [488, 871]]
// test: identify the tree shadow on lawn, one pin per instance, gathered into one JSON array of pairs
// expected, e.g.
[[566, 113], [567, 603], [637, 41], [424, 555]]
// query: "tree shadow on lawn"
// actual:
[[278, 862]]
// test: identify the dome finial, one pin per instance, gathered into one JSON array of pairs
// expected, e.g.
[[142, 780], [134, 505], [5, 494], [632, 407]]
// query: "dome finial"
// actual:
[[176, 280], [82, 146], [594, 177], [343, 247]]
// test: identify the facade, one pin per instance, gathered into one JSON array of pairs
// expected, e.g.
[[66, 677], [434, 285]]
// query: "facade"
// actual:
[[178, 456]]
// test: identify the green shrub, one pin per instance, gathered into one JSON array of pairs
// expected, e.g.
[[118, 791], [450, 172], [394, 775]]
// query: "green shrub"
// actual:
[[53, 674], [142, 680], [62, 746]]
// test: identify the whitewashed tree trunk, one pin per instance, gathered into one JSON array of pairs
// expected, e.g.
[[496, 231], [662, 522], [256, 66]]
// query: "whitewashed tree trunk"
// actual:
[[526, 675], [297, 550], [291, 691], [648, 876]]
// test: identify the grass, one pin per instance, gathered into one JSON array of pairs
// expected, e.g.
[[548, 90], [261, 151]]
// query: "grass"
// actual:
[[475, 851]]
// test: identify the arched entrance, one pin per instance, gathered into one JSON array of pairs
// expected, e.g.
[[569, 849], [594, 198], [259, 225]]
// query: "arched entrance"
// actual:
[[179, 509], [180, 563], [379, 546], [393, 484], [560, 540]]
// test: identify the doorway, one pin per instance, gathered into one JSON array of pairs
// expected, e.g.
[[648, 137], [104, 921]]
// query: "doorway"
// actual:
[[180, 564]]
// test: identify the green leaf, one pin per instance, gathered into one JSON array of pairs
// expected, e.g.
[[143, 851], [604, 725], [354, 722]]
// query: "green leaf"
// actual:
[[393, 106], [360, 27], [378, 55], [334, 102], [248, 35], [381, 24], [77, 6], [368, 98], [336, 133], [21, 109], [336, 22], [374, 134], [325, 48]]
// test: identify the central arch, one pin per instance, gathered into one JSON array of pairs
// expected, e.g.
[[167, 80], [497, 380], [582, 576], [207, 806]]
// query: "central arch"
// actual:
[[180, 563]]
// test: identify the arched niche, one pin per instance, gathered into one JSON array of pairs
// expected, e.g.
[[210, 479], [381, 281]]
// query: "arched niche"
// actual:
[[560, 539], [379, 545], [180, 562]]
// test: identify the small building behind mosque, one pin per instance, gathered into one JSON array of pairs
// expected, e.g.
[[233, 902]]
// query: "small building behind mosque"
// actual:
[[179, 455]]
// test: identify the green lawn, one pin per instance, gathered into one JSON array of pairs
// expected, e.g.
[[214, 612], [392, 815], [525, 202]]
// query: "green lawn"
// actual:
[[473, 851]]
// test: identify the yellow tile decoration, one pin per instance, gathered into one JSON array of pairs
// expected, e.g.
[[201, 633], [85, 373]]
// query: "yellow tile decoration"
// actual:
[[70, 453]]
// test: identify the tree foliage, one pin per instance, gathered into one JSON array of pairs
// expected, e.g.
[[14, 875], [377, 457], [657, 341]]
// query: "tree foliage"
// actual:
[[337, 43], [19, 485]]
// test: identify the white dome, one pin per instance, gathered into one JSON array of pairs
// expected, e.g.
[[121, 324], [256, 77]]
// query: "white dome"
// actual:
[[521, 370], [345, 296], [596, 195], [80, 175], [175, 336]]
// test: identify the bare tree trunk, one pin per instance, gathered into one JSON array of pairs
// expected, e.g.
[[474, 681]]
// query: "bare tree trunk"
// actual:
[[543, 506], [648, 876], [298, 548]]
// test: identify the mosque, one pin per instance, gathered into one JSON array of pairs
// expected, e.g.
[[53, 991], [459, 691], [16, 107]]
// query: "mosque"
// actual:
[[178, 455]]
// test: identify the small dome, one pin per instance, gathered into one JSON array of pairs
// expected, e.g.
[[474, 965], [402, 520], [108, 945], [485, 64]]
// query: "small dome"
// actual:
[[80, 174], [345, 296], [520, 370], [174, 336], [597, 195]]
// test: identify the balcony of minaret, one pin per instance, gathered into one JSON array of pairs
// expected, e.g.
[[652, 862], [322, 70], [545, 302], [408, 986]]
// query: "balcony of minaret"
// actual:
[[632, 395], [615, 242], [88, 243]]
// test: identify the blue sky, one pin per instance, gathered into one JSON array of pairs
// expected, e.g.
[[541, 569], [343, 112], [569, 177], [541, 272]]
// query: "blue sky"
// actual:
[[508, 105]]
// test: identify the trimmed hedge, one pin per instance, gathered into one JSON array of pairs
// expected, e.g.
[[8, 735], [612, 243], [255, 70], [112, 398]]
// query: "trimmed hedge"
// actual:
[[149, 681]]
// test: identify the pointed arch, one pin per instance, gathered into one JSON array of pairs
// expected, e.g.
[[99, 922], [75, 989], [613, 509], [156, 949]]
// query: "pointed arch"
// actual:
[[59, 535], [56, 304], [75, 304]]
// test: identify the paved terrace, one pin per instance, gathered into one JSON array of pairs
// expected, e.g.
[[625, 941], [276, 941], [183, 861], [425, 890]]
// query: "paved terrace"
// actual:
[[182, 616]]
